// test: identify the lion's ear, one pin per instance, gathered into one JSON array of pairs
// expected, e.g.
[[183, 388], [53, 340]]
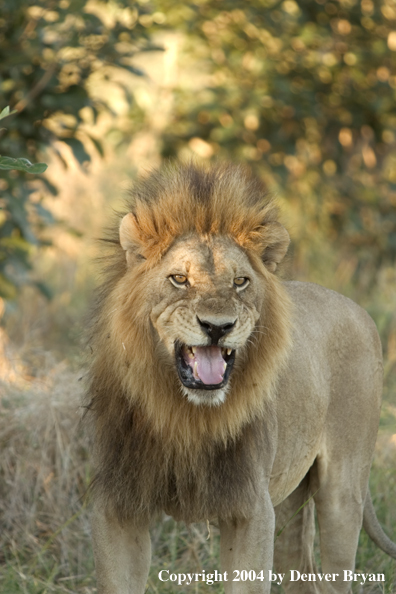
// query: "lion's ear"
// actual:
[[130, 236], [277, 241]]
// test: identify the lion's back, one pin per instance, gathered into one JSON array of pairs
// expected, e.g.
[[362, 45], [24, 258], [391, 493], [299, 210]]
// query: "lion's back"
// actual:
[[332, 322], [334, 339]]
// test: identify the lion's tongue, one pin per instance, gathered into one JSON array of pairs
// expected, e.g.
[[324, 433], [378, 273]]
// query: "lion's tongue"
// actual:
[[210, 364]]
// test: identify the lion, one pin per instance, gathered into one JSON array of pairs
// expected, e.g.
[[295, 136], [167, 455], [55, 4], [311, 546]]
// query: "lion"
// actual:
[[217, 391]]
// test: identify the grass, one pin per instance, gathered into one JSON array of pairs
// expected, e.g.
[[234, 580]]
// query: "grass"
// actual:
[[369, 558], [44, 469]]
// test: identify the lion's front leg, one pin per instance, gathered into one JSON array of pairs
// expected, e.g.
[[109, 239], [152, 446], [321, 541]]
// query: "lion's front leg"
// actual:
[[247, 545], [122, 555]]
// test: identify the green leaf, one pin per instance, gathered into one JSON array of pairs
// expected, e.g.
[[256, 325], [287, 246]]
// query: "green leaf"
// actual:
[[6, 112], [22, 165]]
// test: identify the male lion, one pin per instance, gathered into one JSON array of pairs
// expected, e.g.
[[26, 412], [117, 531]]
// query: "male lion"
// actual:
[[218, 391]]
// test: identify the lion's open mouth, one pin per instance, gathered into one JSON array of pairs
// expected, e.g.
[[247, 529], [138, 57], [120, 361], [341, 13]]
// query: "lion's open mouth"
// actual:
[[204, 367]]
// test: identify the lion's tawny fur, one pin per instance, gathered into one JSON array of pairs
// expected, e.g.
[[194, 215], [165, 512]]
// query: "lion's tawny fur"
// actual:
[[154, 450]]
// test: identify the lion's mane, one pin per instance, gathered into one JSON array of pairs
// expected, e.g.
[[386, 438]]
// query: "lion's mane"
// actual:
[[154, 450]]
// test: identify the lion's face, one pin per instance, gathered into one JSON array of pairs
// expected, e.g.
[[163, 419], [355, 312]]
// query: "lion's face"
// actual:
[[208, 303]]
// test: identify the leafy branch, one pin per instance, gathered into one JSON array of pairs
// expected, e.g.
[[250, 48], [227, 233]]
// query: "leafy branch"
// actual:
[[19, 164]]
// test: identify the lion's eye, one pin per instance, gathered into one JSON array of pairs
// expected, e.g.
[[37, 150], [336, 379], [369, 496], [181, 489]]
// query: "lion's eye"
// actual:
[[241, 282], [179, 280]]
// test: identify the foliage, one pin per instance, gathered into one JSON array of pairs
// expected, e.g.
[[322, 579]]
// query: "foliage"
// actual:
[[49, 52], [21, 164], [305, 93], [8, 163]]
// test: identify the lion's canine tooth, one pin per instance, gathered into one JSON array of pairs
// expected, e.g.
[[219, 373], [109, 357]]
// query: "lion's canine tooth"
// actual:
[[225, 366], [192, 350], [196, 370], [229, 351]]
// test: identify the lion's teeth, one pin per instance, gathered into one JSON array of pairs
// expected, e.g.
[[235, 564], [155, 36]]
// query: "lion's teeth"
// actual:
[[196, 370], [229, 351], [193, 350], [225, 366]]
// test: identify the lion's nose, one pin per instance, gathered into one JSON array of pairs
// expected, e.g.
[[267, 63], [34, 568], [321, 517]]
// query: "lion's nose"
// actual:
[[215, 332]]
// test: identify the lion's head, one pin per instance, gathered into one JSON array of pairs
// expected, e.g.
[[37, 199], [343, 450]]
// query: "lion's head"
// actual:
[[205, 302], [193, 317]]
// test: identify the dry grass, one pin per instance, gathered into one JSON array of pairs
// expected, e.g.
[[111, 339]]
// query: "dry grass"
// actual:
[[44, 472]]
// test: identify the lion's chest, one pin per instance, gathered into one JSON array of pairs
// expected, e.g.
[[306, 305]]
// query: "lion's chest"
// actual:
[[221, 483]]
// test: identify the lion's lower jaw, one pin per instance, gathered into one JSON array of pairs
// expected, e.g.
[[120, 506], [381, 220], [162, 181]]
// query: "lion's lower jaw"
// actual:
[[205, 397]]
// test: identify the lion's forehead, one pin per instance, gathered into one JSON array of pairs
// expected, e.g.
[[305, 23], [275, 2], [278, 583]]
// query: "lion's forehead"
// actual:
[[207, 259]]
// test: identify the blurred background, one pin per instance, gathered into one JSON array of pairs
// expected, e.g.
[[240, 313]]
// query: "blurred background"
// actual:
[[304, 92]]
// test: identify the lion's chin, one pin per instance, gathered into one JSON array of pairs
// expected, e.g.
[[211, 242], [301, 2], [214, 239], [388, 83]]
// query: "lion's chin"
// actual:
[[205, 397]]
